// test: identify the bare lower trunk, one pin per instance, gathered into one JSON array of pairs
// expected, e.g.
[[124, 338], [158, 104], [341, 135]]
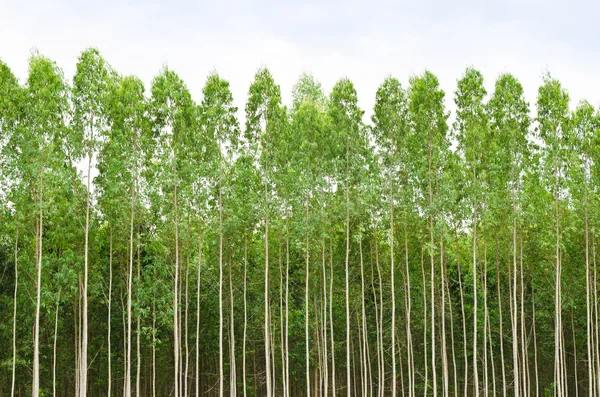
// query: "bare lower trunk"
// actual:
[[198, 315], [281, 320], [325, 342], [54, 347], [84, 331], [425, 357], [138, 326], [110, 278], [364, 323], [408, 304], [38, 289], [14, 330], [307, 346], [266, 295], [393, 292], [221, 391], [464, 322], [176, 299], [333, 387], [535, 353], [245, 315], [127, 392], [380, 331], [348, 359], [232, 366], [475, 370]]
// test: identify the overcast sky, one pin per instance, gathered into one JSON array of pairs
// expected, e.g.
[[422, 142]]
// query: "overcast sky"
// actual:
[[365, 41]]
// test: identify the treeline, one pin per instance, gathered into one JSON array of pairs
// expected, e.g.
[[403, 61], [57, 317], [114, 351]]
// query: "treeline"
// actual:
[[304, 253]]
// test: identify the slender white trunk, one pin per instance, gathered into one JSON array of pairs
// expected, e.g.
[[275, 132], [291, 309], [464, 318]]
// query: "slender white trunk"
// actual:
[[535, 354], [138, 327], [84, 332], [221, 391], [14, 330], [588, 312], [154, 350], [445, 375], [38, 289], [393, 282], [364, 321], [408, 304], [266, 295], [287, 313], [325, 342], [110, 278], [502, 360], [54, 346], [281, 320], [425, 357], [232, 387], [307, 257], [245, 315], [333, 387], [198, 315], [557, 303], [515, 341], [432, 263], [380, 330], [464, 322], [597, 339], [348, 358], [475, 370], [176, 297]]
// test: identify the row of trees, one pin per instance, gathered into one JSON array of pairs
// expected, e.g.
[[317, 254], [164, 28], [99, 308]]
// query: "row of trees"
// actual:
[[305, 253]]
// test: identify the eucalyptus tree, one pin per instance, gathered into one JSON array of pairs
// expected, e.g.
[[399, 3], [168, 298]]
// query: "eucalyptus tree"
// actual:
[[390, 119], [509, 125], [554, 130], [430, 144], [264, 118], [308, 129], [221, 127], [119, 177], [346, 128], [90, 87], [10, 92], [471, 130], [583, 183], [46, 108], [173, 118]]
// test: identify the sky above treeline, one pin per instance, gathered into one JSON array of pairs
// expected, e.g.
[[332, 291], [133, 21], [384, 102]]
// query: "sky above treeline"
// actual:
[[365, 41]]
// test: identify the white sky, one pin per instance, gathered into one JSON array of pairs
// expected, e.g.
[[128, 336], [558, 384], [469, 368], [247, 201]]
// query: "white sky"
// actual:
[[365, 41]]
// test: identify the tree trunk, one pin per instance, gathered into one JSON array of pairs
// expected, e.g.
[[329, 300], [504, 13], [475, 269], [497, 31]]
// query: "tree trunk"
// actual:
[[475, 370], [84, 332], [232, 387], [392, 283], [307, 347], [198, 314], [110, 278], [333, 388], [38, 290], [221, 391], [138, 327], [348, 358], [325, 342], [176, 296], [464, 321], [54, 347], [408, 304], [245, 315], [14, 330]]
